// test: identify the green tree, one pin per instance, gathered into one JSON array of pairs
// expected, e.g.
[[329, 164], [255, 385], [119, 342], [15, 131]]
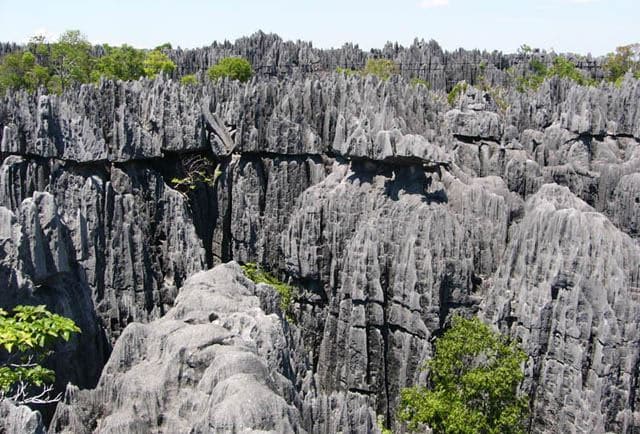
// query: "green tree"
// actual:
[[157, 62], [457, 91], [28, 334], [235, 68], [381, 68], [626, 58], [473, 384], [20, 71], [189, 80], [564, 68], [120, 63], [71, 60], [164, 47]]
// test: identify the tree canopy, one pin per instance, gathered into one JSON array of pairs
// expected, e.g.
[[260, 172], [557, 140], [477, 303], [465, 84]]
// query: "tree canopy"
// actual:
[[381, 68], [235, 68], [473, 384], [72, 59], [28, 334], [625, 58]]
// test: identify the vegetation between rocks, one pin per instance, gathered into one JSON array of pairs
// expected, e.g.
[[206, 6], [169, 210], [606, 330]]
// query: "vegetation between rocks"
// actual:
[[234, 68], [473, 384], [287, 292]]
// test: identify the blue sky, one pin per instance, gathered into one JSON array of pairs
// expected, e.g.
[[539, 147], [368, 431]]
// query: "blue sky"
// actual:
[[583, 26]]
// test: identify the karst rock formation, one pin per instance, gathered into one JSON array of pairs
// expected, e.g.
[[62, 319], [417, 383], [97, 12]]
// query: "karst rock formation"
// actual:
[[385, 206]]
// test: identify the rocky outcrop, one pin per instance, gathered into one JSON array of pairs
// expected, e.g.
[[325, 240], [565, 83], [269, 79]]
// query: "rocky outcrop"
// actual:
[[569, 291], [387, 208], [216, 362], [19, 419]]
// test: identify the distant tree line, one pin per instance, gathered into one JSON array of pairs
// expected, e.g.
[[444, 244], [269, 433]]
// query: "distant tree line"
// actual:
[[72, 59]]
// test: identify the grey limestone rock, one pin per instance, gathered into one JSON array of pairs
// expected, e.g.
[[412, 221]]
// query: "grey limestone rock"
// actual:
[[19, 419], [569, 292], [388, 210], [214, 363]]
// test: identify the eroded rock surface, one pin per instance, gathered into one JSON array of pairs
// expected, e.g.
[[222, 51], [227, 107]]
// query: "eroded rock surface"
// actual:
[[388, 208], [216, 362]]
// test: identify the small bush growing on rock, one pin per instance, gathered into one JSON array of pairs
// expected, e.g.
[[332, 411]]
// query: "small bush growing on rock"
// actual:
[[119, 63], [381, 68], [27, 334], [564, 68], [347, 71], [235, 68], [473, 384], [287, 292], [189, 80], [157, 62], [626, 58], [457, 91], [415, 81], [198, 169]]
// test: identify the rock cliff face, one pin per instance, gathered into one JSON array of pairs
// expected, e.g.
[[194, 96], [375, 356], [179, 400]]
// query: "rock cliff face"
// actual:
[[386, 207]]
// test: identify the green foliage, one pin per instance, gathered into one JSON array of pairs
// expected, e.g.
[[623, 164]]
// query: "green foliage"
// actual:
[[415, 81], [199, 170], [525, 49], [457, 91], [565, 69], [190, 182], [347, 71], [27, 334], [189, 80], [474, 378], [156, 62], [71, 58], [287, 292], [235, 68], [381, 68], [164, 47], [626, 58], [120, 63], [380, 424], [538, 72], [534, 77]]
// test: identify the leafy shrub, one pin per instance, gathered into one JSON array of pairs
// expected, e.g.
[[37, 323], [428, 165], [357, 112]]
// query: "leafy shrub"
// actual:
[[71, 59], [626, 58], [381, 68], [235, 68], [156, 62], [27, 334], [189, 80], [287, 292], [198, 170], [120, 63], [415, 81], [19, 71], [473, 384], [457, 91], [564, 68], [347, 71]]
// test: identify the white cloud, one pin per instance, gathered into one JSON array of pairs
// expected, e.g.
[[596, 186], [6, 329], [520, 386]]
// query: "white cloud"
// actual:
[[428, 4]]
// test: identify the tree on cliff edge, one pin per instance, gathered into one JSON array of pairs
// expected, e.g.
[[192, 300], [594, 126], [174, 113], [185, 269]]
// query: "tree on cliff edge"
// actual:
[[473, 384]]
